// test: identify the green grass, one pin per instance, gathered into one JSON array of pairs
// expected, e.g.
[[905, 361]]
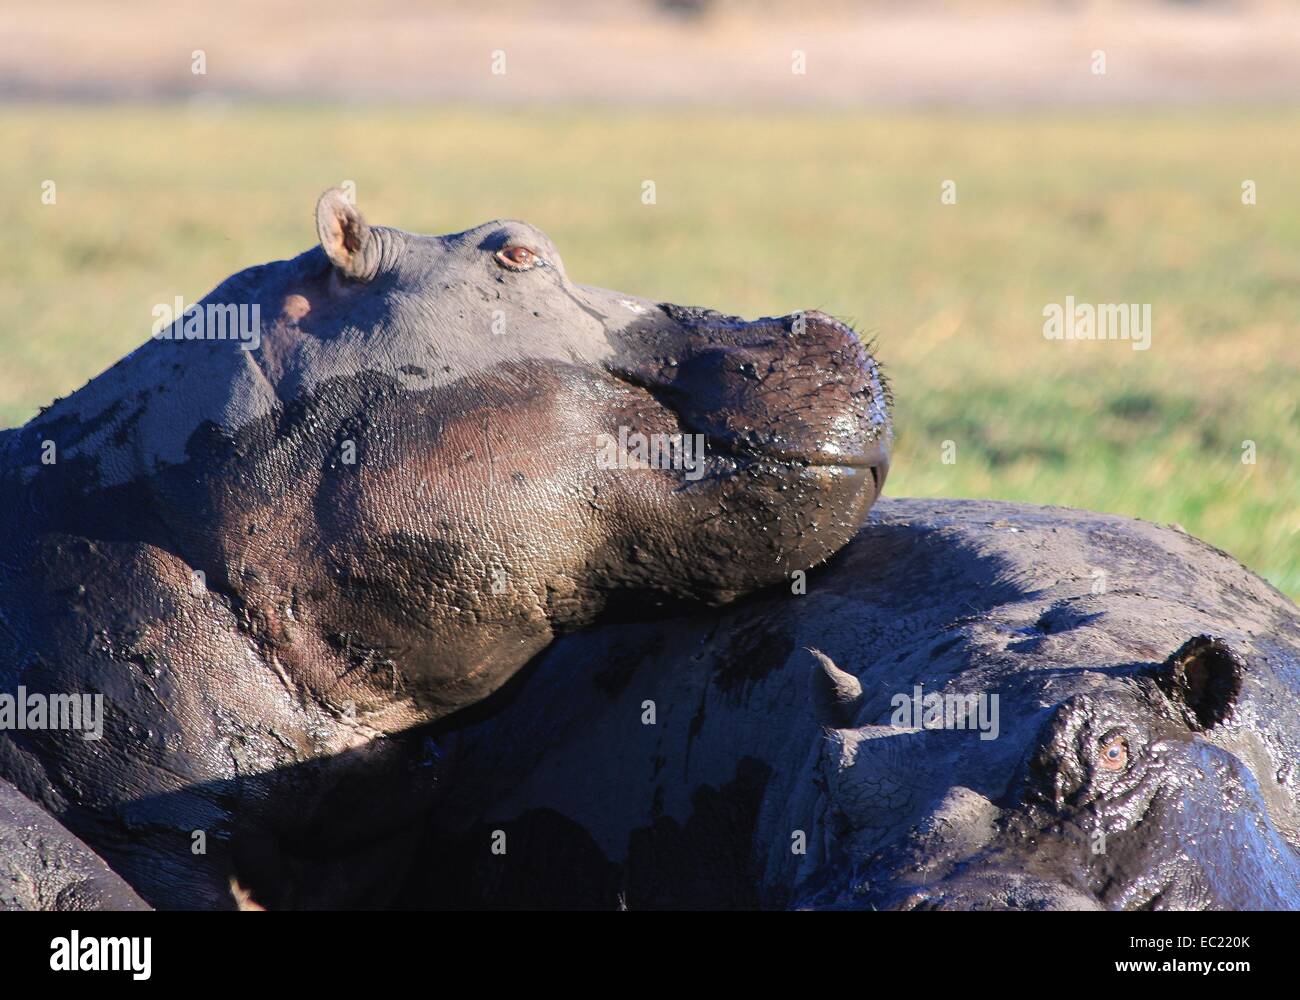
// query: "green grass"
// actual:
[[761, 215]]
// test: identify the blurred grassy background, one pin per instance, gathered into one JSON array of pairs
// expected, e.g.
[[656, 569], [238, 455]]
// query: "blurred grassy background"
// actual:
[[762, 214]]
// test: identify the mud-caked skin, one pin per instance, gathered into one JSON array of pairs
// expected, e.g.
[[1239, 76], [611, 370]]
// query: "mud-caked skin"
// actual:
[[274, 556], [1143, 750], [44, 867]]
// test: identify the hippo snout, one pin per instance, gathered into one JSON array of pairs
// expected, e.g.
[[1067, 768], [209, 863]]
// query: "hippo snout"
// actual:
[[800, 389]]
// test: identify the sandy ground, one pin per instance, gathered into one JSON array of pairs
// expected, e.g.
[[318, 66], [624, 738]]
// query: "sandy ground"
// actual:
[[624, 52]]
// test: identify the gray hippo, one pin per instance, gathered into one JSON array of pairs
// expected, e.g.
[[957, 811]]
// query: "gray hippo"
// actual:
[[975, 705], [350, 493]]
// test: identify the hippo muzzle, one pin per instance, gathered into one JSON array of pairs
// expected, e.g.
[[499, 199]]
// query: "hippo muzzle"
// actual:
[[800, 389]]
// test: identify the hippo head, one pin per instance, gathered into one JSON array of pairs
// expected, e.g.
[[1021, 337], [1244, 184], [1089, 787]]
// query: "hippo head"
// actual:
[[1138, 791], [530, 451], [431, 454]]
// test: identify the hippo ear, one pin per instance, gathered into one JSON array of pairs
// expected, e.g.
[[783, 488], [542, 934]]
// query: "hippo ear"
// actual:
[[345, 237], [1204, 676], [836, 694]]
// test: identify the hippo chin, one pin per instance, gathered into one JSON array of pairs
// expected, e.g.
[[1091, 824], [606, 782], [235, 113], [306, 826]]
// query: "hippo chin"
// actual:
[[1008, 707], [274, 548]]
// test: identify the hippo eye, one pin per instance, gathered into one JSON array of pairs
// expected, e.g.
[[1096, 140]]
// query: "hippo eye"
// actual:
[[1114, 754], [517, 258]]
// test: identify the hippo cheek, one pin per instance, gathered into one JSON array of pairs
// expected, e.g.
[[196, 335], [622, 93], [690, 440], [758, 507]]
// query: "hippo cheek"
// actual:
[[473, 525]]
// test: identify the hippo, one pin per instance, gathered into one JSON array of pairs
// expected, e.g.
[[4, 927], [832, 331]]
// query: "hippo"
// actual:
[[351, 494], [975, 705], [44, 866]]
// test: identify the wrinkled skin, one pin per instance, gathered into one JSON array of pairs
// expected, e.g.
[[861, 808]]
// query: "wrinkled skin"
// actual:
[[1146, 753], [394, 502]]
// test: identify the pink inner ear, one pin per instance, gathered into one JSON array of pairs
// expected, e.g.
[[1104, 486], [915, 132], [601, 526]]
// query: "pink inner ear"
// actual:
[[295, 307]]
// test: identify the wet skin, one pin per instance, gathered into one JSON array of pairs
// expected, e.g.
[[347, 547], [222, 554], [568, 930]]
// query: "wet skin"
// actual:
[[274, 563]]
